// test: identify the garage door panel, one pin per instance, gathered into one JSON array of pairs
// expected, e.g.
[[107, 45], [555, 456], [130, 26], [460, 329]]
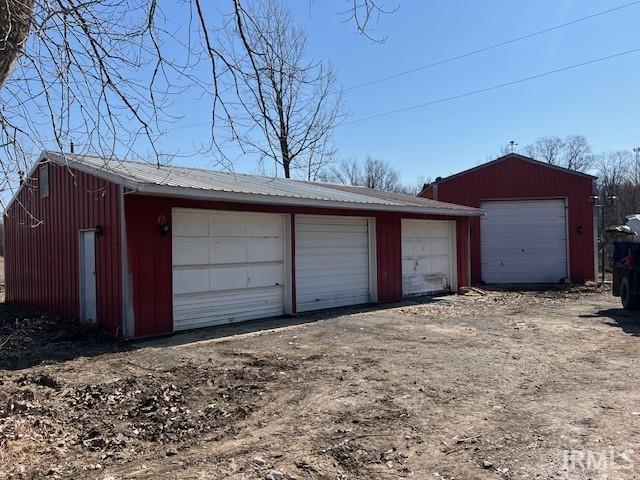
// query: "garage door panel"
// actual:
[[215, 308], [323, 270], [227, 250], [426, 256], [425, 283], [353, 241], [263, 225], [407, 246], [191, 251], [332, 261], [265, 250], [241, 275], [187, 280], [523, 241], [440, 246], [267, 275], [190, 224], [334, 282], [440, 263], [431, 229], [227, 224], [332, 298], [228, 278], [339, 228]]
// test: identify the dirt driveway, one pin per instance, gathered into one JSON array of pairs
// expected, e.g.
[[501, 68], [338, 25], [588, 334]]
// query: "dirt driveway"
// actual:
[[504, 385]]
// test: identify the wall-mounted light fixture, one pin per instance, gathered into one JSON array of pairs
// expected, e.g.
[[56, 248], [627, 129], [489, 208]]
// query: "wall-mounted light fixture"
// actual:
[[580, 229], [163, 224], [98, 230]]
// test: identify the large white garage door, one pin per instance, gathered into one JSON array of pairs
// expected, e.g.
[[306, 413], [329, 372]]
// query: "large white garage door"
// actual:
[[227, 267], [523, 241], [428, 259], [332, 261]]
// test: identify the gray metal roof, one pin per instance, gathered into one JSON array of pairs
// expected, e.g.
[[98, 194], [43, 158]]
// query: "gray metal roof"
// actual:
[[201, 183]]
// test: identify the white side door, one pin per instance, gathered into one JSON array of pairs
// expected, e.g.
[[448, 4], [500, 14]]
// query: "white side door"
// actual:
[[88, 304], [332, 261], [428, 256], [523, 241], [227, 267]]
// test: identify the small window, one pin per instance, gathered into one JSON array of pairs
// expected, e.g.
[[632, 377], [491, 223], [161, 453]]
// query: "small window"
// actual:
[[44, 181]]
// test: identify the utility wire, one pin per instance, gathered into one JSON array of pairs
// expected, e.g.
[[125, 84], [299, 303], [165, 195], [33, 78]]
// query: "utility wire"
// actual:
[[464, 55], [494, 87], [490, 47]]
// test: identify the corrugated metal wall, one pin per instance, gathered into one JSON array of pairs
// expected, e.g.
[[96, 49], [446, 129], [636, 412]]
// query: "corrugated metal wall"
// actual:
[[149, 252], [41, 245], [388, 243], [519, 179]]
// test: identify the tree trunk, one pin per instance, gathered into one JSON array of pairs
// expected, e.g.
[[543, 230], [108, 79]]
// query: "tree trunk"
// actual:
[[286, 160], [15, 20]]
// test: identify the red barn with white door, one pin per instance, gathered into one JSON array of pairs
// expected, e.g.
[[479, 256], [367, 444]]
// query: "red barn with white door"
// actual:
[[538, 227]]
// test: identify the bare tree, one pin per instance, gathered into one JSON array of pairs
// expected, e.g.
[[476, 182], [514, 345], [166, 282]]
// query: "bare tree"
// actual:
[[365, 13], [546, 149], [104, 74], [318, 163], [415, 188], [577, 153], [287, 106], [371, 173], [572, 152]]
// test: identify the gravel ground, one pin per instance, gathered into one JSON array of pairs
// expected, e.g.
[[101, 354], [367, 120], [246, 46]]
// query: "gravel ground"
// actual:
[[529, 384]]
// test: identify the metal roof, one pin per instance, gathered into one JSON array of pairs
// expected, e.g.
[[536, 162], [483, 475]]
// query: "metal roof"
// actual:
[[518, 157], [190, 182]]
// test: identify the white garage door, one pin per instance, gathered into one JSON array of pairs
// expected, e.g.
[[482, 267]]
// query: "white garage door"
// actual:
[[332, 261], [227, 267], [428, 262], [523, 241]]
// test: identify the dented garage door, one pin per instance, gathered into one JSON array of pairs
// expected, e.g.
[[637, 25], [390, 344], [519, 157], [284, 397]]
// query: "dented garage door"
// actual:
[[428, 259]]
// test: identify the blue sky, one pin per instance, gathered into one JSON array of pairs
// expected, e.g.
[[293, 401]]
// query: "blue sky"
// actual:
[[600, 101]]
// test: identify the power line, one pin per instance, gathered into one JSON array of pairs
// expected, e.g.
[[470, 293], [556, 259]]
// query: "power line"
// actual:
[[490, 47], [494, 87]]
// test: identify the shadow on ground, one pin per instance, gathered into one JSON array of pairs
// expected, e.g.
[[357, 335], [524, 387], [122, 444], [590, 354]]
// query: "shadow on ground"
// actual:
[[626, 320], [266, 324], [28, 339]]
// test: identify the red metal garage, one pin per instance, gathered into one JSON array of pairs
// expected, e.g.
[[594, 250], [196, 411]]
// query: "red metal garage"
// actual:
[[146, 250], [538, 226]]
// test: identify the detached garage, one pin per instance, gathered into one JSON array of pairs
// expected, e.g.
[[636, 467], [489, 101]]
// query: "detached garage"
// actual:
[[148, 250], [538, 227]]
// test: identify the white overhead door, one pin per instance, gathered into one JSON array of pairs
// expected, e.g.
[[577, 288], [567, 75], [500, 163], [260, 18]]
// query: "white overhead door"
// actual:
[[332, 261], [227, 267], [523, 241], [428, 259]]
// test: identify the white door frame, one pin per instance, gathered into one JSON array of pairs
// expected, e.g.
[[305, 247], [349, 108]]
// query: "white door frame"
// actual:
[[453, 255], [373, 260], [87, 290]]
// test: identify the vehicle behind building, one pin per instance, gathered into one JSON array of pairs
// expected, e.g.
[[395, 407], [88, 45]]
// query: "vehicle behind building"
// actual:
[[626, 262]]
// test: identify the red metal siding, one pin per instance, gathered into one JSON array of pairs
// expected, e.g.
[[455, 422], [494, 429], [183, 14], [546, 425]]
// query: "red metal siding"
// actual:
[[389, 257], [149, 253], [515, 178], [41, 245]]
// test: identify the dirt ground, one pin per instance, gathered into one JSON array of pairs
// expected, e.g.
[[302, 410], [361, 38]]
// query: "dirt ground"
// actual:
[[503, 385]]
